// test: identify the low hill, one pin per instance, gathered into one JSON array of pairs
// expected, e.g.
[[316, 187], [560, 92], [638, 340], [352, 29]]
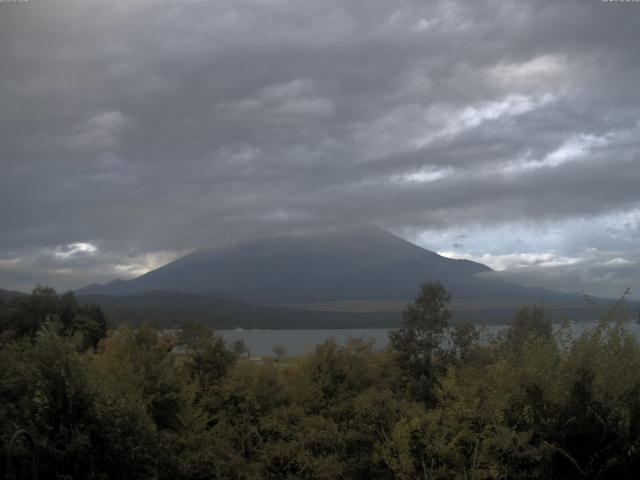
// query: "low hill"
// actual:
[[171, 309], [174, 308], [6, 295]]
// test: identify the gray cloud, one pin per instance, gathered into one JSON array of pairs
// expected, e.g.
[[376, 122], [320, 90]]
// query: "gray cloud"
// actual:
[[594, 273], [145, 127]]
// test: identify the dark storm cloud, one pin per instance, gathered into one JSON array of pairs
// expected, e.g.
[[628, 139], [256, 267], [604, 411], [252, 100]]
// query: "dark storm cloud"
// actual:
[[148, 126]]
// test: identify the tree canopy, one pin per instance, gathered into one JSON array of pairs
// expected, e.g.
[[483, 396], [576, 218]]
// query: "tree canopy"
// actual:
[[439, 403]]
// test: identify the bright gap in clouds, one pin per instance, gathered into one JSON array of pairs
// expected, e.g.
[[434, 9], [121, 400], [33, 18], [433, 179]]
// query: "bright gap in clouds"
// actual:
[[600, 256], [512, 261], [576, 148], [538, 70], [423, 175], [451, 123], [74, 249]]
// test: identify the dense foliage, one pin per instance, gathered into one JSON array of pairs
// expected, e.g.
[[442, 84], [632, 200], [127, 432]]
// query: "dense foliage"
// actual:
[[437, 403]]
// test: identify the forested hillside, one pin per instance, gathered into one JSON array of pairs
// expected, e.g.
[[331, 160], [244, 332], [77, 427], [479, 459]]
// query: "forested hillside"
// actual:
[[438, 403]]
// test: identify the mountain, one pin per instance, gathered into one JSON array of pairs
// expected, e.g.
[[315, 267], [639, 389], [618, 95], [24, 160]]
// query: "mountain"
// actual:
[[352, 263], [360, 276]]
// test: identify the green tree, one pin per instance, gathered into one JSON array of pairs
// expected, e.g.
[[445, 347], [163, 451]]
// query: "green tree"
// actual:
[[208, 358], [140, 396], [240, 348], [23, 316], [464, 339], [419, 339], [530, 322], [279, 351]]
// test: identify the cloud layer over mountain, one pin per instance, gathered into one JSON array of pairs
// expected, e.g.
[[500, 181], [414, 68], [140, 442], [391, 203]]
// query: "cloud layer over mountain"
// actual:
[[133, 131]]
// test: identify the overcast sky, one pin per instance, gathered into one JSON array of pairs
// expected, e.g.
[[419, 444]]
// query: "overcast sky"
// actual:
[[508, 132]]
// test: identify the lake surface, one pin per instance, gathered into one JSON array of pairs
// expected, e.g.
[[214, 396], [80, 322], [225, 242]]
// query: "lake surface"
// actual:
[[297, 342]]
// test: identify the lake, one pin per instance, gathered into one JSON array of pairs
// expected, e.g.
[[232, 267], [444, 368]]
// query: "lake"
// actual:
[[297, 342]]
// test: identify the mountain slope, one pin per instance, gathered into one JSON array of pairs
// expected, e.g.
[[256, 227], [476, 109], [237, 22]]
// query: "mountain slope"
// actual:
[[174, 308], [351, 277], [365, 263], [6, 295]]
